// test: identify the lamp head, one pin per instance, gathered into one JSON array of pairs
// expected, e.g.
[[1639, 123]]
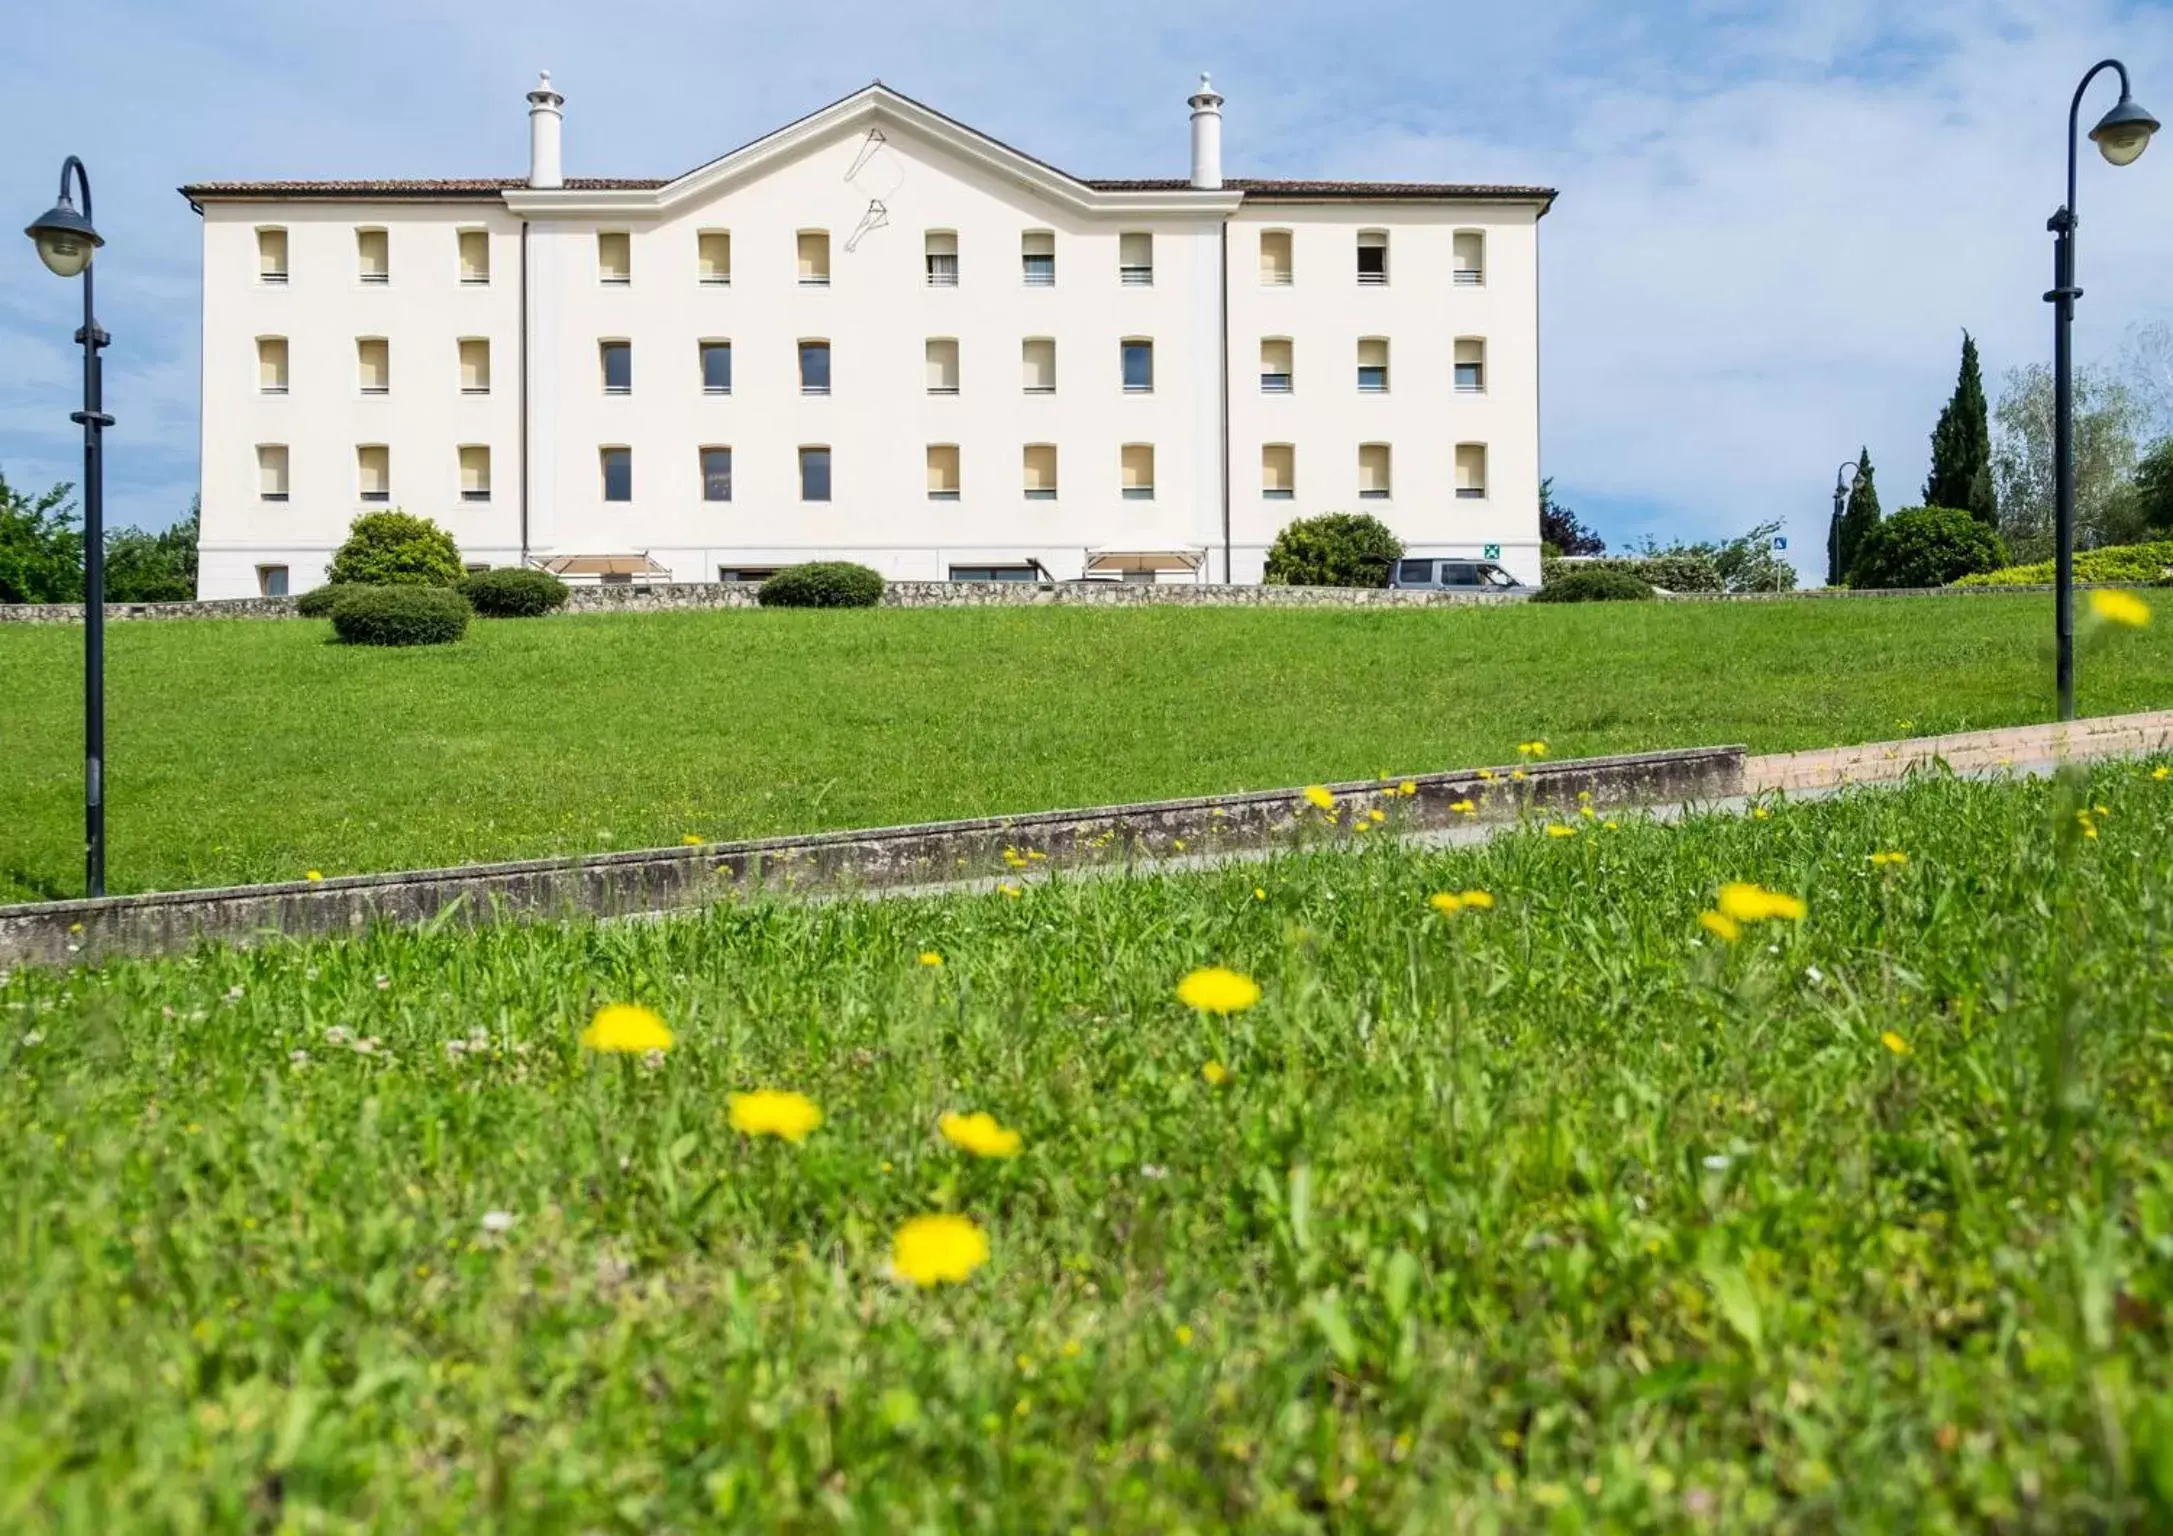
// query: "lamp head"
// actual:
[[65, 238], [2124, 133]]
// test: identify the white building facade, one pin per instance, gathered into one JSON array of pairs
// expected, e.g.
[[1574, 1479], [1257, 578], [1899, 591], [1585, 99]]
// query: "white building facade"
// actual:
[[873, 335]]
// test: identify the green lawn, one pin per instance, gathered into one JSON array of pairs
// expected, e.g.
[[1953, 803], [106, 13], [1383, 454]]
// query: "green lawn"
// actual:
[[256, 751], [1562, 1215]]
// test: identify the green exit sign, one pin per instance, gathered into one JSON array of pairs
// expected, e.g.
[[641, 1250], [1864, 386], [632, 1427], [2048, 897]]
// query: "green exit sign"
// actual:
[[1490, 552]]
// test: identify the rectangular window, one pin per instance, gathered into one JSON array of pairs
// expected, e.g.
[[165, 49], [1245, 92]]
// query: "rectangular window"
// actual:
[[1275, 365], [814, 258], [1138, 366], [814, 367], [943, 472], [373, 472], [1038, 353], [271, 581], [755, 573], [940, 256], [475, 365], [1469, 258], [272, 471], [941, 358], [716, 474], [1373, 365], [1415, 573], [1135, 258], [1275, 270], [1470, 365], [614, 257], [1037, 253], [373, 363], [1041, 471], [1373, 471], [1372, 258], [1138, 469], [474, 256], [713, 256], [271, 365], [475, 472], [618, 468], [716, 367], [994, 573], [1471, 471], [814, 474], [373, 256], [271, 256], [617, 361], [1278, 471]]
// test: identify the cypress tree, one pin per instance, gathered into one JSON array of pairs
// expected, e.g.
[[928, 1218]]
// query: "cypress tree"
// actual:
[[1962, 447], [1862, 515]]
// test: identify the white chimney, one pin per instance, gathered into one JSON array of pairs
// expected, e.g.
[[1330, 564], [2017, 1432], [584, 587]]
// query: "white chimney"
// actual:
[[545, 121], [1206, 136]]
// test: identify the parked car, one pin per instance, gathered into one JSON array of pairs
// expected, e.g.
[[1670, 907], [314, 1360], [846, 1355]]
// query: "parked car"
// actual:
[[1452, 576]]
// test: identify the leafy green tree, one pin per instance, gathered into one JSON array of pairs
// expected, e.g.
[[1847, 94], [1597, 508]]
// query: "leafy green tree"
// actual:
[[1925, 547], [1559, 527], [1336, 549], [2154, 487], [1861, 517], [41, 548], [2108, 416], [160, 567], [1962, 447], [397, 549]]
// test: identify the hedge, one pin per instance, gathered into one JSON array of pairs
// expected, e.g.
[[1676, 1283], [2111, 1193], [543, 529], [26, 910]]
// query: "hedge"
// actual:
[[400, 616], [514, 592], [822, 584], [2135, 564], [1587, 585], [1670, 573], [397, 549]]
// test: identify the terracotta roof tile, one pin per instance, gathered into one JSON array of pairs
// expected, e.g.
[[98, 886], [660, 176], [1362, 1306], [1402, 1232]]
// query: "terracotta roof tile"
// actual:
[[484, 186], [1352, 190]]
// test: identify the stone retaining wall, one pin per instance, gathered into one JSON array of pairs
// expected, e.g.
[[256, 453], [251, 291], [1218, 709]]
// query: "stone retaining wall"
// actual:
[[688, 595], [1011, 848], [2078, 741]]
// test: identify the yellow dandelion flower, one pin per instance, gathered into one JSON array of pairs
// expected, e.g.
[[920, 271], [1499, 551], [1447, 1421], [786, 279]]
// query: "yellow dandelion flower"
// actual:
[[1178, 843], [1481, 900], [1559, 829], [790, 1117], [626, 1028], [1889, 859], [1407, 788], [692, 839], [1359, 826], [1447, 903], [1721, 926], [315, 874], [1258, 894], [1215, 1073], [1486, 773], [931, 957], [2161, 773], [1531, 749], [930, 1250], [1073, 1349], [1584, 796], [2120, 608], [1217, 989], [1588, 813], [1464, 808], [1319, 795], [979, 1134], [1612, 826], [1011, 891], [1894, 1043], [1183, 1335], [1748, 903], [1516, 773], [1376, 815], [1761, 813]]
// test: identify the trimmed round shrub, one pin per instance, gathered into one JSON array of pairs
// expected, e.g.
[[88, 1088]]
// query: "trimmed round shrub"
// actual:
[[317, 602], [394, 549], [822, 584], [1335, 549], [400, 616], [1925, 547], [514, 592], [2151, 563], [1593, 585]]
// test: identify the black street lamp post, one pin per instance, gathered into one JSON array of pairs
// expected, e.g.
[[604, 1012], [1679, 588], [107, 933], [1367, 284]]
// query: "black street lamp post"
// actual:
[[1845, 481], [2121, 135], [66, 242]]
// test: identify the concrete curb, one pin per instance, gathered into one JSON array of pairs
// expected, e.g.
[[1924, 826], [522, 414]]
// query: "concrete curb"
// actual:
[[666, 879], [1963, 751]]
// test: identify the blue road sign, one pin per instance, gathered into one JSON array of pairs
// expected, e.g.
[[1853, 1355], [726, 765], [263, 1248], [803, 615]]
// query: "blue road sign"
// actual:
[[1780, 543]]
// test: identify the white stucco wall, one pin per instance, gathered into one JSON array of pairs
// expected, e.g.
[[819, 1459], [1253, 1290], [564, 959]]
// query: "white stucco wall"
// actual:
[[878, 420]]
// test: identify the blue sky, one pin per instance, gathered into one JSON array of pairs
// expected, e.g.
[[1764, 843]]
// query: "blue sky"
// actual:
[[1776, 217]]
